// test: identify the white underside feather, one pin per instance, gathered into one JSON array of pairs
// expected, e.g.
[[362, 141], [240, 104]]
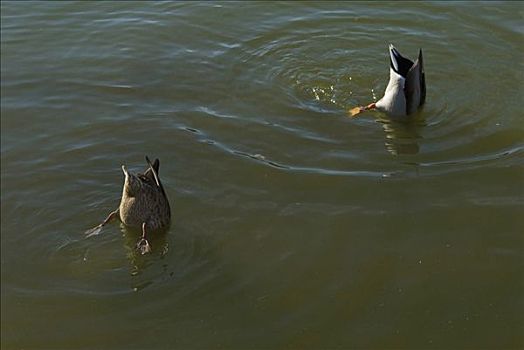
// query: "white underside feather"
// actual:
[[394, 100]]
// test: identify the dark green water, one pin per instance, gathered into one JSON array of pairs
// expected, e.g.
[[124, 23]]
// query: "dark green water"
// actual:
[[293, 225]]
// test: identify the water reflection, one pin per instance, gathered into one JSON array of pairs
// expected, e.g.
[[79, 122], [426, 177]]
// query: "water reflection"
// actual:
[[157, 239], [401, 137]]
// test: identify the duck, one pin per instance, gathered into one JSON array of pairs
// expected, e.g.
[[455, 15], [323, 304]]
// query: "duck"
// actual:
[[406, 89], [144, 204]]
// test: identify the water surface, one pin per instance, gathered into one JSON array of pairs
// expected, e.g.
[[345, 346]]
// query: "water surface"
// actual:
[[294, 226]]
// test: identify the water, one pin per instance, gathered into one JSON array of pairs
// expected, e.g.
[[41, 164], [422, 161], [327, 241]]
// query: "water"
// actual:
[[294, 226]]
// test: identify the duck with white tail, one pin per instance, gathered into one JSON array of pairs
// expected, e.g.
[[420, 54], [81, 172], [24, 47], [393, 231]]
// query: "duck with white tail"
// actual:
[[406, 90]]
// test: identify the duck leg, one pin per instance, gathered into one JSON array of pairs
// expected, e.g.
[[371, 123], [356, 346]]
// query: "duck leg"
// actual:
[[353, 112], [96, 230], [143, 245]]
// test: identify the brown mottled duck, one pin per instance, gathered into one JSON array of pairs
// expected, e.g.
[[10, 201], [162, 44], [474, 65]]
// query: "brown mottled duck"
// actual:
[[144, 204]]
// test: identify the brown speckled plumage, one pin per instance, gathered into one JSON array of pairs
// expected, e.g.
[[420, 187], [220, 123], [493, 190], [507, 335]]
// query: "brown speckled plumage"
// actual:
[[144, 204], [144, 201]]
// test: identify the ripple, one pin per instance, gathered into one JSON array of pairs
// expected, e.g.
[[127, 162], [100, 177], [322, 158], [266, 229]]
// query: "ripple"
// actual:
[[271, 182]]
